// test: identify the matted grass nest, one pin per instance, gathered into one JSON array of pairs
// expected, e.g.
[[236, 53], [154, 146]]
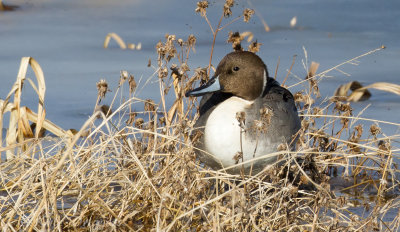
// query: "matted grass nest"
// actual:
[[135, 169]]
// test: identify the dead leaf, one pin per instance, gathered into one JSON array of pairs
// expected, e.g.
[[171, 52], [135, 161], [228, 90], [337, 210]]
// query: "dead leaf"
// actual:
[[360, 93], [352, 92]]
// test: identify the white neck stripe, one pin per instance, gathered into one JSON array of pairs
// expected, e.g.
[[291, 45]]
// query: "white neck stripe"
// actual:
[[264, 82]]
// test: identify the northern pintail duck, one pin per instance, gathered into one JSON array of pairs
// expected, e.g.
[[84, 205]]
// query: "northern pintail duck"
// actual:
[[241, 84]]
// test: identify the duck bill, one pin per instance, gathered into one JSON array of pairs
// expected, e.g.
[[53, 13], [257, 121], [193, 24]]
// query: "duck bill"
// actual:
[[211, 86]]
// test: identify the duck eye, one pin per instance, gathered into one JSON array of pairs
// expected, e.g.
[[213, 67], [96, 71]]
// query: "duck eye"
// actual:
[[236, 68]]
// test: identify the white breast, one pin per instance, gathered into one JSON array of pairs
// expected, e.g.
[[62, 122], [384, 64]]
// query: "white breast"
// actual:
[[222, 134]]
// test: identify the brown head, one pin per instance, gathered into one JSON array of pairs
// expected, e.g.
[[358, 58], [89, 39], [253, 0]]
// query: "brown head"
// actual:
[[241, 73]]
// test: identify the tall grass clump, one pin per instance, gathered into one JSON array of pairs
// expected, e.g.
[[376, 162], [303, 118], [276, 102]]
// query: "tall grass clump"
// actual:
[[6, 7], [134, 168]]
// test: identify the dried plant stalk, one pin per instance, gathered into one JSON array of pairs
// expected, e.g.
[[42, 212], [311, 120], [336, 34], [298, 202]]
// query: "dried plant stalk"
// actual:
[[117, 39], [46, 124], [354, 91], [384, 86], [261, 18], [16, 124], [19, 126]]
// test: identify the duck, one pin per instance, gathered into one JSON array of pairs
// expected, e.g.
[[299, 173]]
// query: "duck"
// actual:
[[244, 115]]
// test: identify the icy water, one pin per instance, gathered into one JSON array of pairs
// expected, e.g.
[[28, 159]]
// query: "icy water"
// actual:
[[66, 38]]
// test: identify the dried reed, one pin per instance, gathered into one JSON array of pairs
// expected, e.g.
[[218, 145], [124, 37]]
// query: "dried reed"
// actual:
[[360, 93], [117, 39]]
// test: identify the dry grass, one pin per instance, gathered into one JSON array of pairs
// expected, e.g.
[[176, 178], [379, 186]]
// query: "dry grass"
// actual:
[[117, 39], [6, 7], [360, 93], [136, 169], [121, 43]]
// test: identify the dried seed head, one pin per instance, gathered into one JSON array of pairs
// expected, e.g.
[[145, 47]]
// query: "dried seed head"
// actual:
[[201, 74], [171, 52], [259, 126], [184, 68], [191, 41], [266, 115], [374, 130], [149, 63], [346, 108], [149, 106], [229, 3], [102, 88], [384, 146], [323, 141], [344, 122], [124, 74], [313, 85], [123, 77], [132, 84], [298, 97], [139, 123], [162, 73], [237, 157], [241, 117], [235, 38], [254, 47], [359, 131], [161, 51], [162, 121], [180, 42], [176, 73], [166, 51], [159, 45], [201, 8], [227, 11], [131, 118], [282, 147], [305, 124], [227, 8], [247, 13], [170, 38]]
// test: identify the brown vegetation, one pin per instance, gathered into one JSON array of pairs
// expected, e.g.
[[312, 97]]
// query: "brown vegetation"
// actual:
[[136, 170]]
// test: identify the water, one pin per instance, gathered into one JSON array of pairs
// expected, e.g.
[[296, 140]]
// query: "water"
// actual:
[[66, 38]]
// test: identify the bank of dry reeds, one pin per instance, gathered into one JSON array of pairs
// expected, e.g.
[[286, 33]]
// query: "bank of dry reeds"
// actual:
[[135, 168]]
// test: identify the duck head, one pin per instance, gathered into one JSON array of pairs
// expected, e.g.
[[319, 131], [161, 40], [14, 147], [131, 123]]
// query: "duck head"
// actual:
[[241, 73]]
